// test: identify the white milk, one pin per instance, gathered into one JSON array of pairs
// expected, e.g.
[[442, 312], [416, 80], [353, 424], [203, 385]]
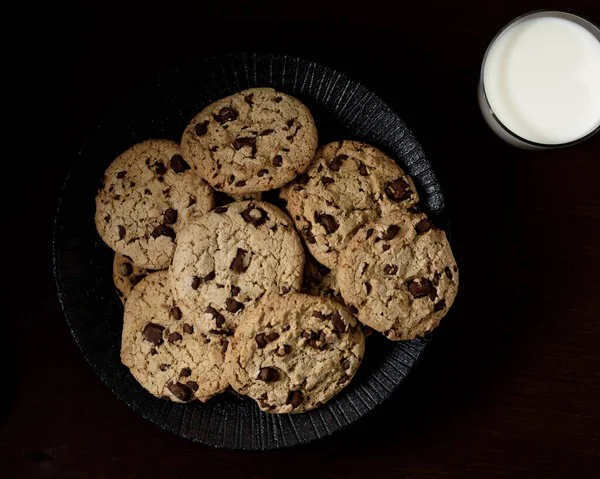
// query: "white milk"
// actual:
[[542, 80]]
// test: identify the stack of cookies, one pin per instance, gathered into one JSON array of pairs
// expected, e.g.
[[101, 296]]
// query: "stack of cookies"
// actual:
[[222, 289]]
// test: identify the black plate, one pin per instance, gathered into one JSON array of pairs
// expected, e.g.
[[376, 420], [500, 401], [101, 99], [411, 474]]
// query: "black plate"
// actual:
[[343, 109]]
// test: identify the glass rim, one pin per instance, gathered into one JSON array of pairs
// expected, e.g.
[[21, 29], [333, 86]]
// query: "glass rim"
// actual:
[[581, 21]]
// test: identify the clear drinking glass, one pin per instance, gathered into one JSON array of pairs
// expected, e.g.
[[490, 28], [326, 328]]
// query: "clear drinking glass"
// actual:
[[488, 113]]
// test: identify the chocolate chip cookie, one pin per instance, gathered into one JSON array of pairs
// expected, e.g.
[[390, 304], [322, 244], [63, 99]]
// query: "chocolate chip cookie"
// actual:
[[147, 195], [126, 275], [347, 185], [398, 275], [165, 350], [230, 258], [294, 353], [254, 140]]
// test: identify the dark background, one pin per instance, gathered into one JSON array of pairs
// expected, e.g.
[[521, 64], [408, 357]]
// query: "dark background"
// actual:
[[510, 386]]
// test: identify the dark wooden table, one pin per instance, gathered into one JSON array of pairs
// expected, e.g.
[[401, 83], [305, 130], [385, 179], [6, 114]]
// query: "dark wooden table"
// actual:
[[510, 386]]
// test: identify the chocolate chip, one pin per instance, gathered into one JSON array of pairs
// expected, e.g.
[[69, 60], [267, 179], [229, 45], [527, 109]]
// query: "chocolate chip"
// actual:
[[233, 306], [193, 385], [423, 226], [390, 269], [448, 272], [277, 99], [285, 290], [369, 233], [181, 392], [224, 347], [152, 332], [338, 323], [336, 163], [390, 233], [173, 337], [153, 352], [248, 99], [241, 183], [237, 264], [433, 293], [162, 230], [188, 328], [185, 372], [176, 313], [439, 305], [287, 349], [414, 209], [343, 380], [239, 143], [362, 169], [397, 190], [219, 332], [170, 216], [126, 269], [419, 287], [163, 367], [107, 218], [225, 114], [231, 179], [268, 375], [295, 398], [273, 336], [160, 168], [235, 291], [220, 209], [261, 340], [218, 317], [178, 164], [262, 173], [121, 174], [254, 215], [368, 287], [266, 132], [136, 279], [385, 247], [201, 129], [310, 237], [195, 282], [167, 192], [308, 334], [327, 181], [319, 314], [121, 230], [353, 309], [328, 222], [210, 276], [277, 160]]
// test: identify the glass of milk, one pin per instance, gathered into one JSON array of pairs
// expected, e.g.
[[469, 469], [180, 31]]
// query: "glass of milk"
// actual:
[[540, 81]]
